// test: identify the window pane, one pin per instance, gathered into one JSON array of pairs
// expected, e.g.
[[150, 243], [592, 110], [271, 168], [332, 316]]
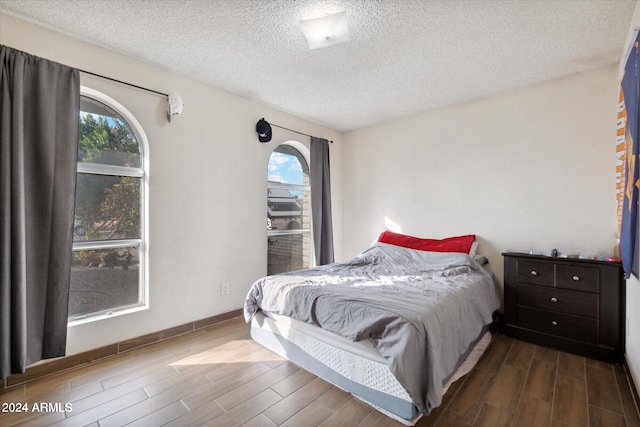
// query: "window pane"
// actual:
[[107, 207], [103, 280], [104, 137], [288, 210], [287, 213], [288, 253], [287, 165]]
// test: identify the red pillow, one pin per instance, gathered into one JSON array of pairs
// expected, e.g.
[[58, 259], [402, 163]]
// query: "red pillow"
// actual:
[[451, 244]]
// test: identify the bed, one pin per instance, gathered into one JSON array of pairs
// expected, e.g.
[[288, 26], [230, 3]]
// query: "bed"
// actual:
[[393, 326]]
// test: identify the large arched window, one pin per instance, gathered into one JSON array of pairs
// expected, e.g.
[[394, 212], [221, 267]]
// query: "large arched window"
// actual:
[[288, 209], [108, 272]]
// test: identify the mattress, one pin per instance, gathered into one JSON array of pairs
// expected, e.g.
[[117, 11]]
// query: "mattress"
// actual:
[[357, 367], [421, 310]]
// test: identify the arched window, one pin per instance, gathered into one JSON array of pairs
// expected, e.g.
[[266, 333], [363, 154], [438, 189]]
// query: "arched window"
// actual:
[[108, 272], [288, 209]]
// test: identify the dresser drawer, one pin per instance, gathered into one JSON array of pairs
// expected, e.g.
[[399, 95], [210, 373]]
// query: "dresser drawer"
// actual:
[[559, 300], [562, 325], [576, 277], [536, 273]]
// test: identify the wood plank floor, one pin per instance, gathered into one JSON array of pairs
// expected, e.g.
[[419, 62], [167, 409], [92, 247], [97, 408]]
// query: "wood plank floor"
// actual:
[[220, 377]]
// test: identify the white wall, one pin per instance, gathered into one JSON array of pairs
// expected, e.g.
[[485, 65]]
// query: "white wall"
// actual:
[[207, 185], [632, 349], [531, 169]]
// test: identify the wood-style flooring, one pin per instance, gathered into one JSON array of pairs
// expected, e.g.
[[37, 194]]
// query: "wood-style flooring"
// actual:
[[220, 377]]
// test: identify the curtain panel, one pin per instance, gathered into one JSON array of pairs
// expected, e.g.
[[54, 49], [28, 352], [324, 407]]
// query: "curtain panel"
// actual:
[[320, 176], [39, 115]]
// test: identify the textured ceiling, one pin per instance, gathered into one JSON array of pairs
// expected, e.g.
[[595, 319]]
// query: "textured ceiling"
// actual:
[[405, 56]]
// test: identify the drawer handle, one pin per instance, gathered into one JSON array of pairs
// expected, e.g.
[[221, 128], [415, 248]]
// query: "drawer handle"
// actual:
[[554, 323], [576, 278], [534, 273], [554, 299]]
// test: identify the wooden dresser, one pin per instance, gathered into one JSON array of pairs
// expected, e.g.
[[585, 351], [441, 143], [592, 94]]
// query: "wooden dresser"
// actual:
[[573, 305]]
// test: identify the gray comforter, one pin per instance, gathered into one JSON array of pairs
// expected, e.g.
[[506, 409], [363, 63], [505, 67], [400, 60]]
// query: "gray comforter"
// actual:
[[422, 310]]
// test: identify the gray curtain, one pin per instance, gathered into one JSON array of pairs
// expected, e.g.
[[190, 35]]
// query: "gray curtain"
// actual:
[[39, 109], [321, 201]]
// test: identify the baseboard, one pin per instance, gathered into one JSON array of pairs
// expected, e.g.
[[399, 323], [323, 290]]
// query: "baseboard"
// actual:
[[632, 384], [63, 363]]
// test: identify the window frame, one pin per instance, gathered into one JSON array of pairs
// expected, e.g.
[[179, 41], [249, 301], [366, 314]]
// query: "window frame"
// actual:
[[142, 243], [306, 154]]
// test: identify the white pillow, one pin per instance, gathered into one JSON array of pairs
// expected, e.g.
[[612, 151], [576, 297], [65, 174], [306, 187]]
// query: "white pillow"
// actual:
[[474, 246]]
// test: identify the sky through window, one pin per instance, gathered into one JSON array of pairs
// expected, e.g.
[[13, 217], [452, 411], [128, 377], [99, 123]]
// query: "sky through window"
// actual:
[[285, 168]]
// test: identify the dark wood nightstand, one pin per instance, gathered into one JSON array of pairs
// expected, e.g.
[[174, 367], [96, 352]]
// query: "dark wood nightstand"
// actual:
[[570, 304]]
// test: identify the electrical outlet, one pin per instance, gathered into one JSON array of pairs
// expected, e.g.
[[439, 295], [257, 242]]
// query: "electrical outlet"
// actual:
[[224, 289]]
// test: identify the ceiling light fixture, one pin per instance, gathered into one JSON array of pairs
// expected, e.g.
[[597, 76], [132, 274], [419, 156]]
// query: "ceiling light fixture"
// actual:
[[326, 31]]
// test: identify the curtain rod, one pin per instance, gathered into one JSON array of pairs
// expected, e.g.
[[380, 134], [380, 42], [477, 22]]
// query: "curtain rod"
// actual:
[[295, 131], [103, 77], [167, 95], [124, 83]]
